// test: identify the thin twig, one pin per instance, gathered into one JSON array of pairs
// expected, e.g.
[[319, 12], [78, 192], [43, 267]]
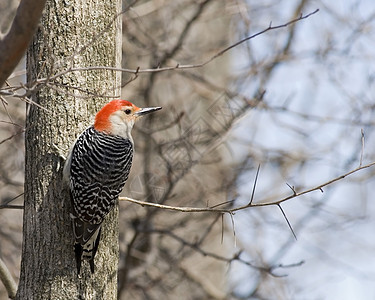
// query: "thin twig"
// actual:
[[363, 146], [234, 230], [287, 221], [254, 186]]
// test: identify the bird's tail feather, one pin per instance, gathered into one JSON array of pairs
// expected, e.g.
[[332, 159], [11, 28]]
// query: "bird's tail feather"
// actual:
[[87, 237]]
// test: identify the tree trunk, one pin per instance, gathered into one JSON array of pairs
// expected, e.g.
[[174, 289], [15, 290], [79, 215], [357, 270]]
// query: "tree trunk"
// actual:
[[77, 33]]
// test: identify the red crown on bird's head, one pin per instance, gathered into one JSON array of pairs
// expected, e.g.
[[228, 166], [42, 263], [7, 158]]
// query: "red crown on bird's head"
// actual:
[[102, 122]]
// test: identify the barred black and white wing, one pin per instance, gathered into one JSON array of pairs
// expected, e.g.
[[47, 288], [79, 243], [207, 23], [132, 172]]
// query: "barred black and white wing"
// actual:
[[99, 167]]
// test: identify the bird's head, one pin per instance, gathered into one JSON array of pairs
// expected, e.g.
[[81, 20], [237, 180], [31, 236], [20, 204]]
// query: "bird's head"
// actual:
[[118, 117]]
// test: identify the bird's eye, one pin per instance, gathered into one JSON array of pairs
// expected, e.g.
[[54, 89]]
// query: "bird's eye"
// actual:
[[128, 111]]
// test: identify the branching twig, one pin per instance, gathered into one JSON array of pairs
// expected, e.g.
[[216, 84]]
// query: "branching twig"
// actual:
[[233, 210], [317, 188], [6, 204]]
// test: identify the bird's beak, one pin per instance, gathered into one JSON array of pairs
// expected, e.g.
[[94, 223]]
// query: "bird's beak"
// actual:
[[146, 110]]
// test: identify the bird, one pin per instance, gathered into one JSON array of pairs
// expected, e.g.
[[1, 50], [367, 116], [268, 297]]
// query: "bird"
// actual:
[[95, 172]]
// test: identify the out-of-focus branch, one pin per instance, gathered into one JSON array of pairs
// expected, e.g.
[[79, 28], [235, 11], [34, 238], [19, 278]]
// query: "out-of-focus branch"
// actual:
[[184, 33], [7, 280], [250, 204], [236, 257], [178, 66], [15, 42]]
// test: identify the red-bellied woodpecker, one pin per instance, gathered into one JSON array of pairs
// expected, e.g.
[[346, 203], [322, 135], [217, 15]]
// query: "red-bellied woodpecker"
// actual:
[[96, 170]]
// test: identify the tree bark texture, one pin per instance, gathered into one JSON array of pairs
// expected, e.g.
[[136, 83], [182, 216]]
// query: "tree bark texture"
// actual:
[[76, 33]]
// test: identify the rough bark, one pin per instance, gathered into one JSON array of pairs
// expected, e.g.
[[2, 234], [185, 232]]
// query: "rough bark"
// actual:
[[75, 33]]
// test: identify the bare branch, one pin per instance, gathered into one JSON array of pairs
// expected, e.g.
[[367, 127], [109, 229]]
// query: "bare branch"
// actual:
[[317, 188], [292, 188], [232, 210], [6, 204], [175, 208]]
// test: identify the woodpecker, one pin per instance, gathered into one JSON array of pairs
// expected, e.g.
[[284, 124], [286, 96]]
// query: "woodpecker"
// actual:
[[96, 170]]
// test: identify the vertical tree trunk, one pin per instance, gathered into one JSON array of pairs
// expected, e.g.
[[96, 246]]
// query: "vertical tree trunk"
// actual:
[[76, 33]]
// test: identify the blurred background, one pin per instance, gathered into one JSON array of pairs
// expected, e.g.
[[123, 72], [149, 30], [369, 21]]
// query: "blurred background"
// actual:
[[298, 100]]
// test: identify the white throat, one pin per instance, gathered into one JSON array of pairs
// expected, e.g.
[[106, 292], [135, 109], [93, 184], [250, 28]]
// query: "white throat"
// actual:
[[121, 127]]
